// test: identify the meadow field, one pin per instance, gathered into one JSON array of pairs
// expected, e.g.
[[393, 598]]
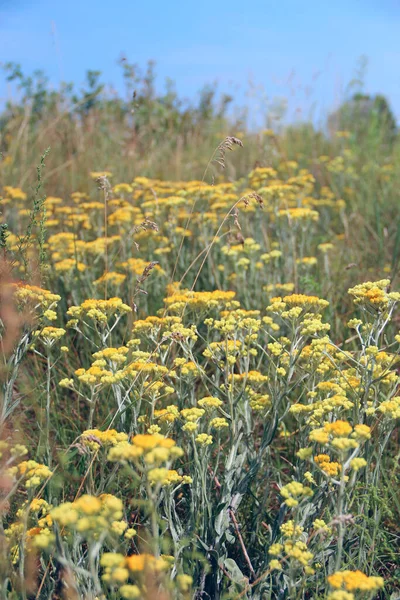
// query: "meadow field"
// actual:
[[199, 349]]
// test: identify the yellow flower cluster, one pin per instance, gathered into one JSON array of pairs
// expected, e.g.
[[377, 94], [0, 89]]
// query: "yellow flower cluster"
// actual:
[[98, 310], [374, 295], [299, 214], [197, 301], [14, 193], [113, 278], [390, 408], [341, 435], [229, 350], [121, 571], [294, 492], [32, 473], [96, 375], [33, 528], [91, 516], [152, 325], [235, 383], [149, 451], [168, 414], [165, 477], [30, 295], [326, 465], [49, 335], [292, 549], [210, 402], [355, 581], [284, 306], [95, 438]]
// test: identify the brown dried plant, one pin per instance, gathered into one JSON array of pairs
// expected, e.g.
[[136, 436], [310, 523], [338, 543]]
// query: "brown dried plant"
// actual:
[[228, 144]]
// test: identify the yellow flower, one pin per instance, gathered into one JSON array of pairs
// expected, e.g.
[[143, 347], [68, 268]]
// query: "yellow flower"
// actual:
[[338, 428], [130, 533], [33, 473], [210, 402], [219, 423], [142, 562], [124, 451], [116, 279], [304, 453], [51, 315], [164, 476], [153, 429], [89, 505], [354, 581], [275, 549], [204, 440], [184, 582], [325, 247], [50, 334], [390, 408], [308, 477], [340, 595], [122, 188], [130, 592], [119, 527], [362, 432], [373, 294], [18, 450], [192, 414], [66, 383], [91, 516], [190, 427], [290, 530], [320, 525], [329, 467], [148, 441], [110, 560], [95, 438], [157, 456], [197, 300], [119, 575], [43, 539], [294, 491], [28, 294], [167, 415], [99, 310], [69, 264], [358, 463]]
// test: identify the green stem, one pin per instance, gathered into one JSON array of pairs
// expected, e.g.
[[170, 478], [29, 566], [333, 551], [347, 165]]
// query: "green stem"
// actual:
[[48, 405], [339, 550]]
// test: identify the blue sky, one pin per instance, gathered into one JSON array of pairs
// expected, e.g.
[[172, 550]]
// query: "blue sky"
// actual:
[[305, 50]]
